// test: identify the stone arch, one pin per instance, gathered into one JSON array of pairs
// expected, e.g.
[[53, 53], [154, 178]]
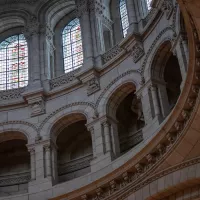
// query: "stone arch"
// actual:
[[83, 108], [63, 122], [12, 135], [166, 34], [131, 76], [28, 130], [52, 12], [13, 18], [116, 97], [160, 57]]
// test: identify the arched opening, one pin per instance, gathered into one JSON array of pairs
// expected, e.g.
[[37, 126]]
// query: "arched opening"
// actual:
[[15, 168], [74, 148], [167, 78], [126, 108], [173, 79]]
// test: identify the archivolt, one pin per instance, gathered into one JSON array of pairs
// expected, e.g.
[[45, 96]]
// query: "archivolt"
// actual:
[[84, 108], [29, 130], [132, 76], [155, 44]]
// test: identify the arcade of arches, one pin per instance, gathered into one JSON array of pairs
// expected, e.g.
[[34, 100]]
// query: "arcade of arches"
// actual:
[[99, 99]]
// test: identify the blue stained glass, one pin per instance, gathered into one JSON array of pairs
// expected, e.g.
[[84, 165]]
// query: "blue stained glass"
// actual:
[[124, 17], [13, 62], [72, 46]]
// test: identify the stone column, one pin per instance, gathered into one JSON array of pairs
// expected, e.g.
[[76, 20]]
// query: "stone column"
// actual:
[[47, 150], [133, 26], [164, 102], [180, 54], [32, 34], [147, 104], [84, 16], [155, 99], [47, 51], [106, 130], [115, 137], [91, 130], [33, 168]]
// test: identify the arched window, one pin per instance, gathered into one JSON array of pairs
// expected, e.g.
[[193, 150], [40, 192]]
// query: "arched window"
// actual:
[[72, 46], [124, 17], [148, 4], [13, 62]]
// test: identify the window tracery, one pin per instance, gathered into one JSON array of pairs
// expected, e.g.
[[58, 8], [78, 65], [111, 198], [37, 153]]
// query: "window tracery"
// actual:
[[124, 17], [72, 46], [13, 62]]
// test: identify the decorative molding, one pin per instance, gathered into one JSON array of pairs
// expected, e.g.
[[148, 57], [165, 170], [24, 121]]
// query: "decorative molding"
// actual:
[[111, 53], [35, 101], [64, 107], [63, 79], [15, 179], [11, 94], [19, 122], [75, 165], [152, 47], [167, 7], [112, 83], [137, 52], [93, 86]]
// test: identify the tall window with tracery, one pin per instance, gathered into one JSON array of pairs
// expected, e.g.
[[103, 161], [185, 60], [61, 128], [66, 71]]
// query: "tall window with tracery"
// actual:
[[148, 4], [13, 62], [72, 46], [124, 17]]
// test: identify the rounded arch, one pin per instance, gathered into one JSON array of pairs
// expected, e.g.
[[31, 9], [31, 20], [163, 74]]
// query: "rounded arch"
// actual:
[[131, 76], [82, 108], [159, 60], [12, 135], [117, 96], [63, 122], [53, 11], [165, 35], [12, 18], [28, 130]]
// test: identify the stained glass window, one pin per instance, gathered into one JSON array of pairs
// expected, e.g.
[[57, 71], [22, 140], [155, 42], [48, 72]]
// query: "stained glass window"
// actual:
[[148, 4], [124, 17], [72, 46], [13, 62]]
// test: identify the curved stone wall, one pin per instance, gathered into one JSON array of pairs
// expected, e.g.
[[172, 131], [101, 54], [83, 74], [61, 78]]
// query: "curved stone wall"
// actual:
[[162, 160]]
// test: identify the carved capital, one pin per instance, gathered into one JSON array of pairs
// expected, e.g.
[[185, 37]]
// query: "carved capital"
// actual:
[[137, 52], [93, 85], [167, 7]]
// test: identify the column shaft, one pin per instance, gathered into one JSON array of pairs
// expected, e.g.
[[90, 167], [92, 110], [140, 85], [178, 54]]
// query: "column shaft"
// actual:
[[155, 101], [107, 136]]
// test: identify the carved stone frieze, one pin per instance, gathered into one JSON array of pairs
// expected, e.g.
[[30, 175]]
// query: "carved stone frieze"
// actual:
[[63, 79], [15, 179], [167, 7], [35, 101], [89, 6], [137, 52], [32, 27], [110, 54], [93, 85], [7, 95]]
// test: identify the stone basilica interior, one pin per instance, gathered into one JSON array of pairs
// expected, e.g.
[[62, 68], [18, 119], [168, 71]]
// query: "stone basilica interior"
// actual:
[[99, 99]]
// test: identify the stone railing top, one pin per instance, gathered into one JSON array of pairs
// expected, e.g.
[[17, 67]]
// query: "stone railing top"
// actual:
[[12, 94], [63, 79], [15, 179]]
